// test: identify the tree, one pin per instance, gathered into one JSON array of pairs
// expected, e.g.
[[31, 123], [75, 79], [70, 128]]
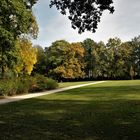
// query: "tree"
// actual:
[[118, 59], [122, 59], [65, 60], [84, 14], [18, 14], [76, 57], [101, 60], [90, 56], [56, 54], [27, 57], [40, 66], [135, 44], [6, 55], [113, 46], [16, 20]]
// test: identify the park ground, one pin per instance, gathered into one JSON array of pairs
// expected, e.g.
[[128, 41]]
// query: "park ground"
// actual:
[[105, 111]]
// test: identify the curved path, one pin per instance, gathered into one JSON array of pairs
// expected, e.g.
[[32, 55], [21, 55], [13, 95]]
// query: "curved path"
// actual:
[[32, 95]]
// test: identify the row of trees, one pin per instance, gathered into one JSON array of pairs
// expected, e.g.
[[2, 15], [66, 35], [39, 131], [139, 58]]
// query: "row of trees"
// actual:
[[90, 60]]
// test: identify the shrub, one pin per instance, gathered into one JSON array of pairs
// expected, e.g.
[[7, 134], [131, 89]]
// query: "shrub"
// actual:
[[8, 87], [22, 85], [51, 84], [41, 83], [33, 87], [38, 83]]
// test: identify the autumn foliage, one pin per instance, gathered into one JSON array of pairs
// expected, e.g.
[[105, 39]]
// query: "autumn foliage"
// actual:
[[27, 56], [90, 60]]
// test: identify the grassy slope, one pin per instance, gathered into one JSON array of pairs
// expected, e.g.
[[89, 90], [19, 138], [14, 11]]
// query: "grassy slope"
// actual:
[[108, 111]]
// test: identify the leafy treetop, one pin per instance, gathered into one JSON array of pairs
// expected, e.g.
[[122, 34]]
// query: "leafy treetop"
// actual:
[[16, 17], [84, 14]]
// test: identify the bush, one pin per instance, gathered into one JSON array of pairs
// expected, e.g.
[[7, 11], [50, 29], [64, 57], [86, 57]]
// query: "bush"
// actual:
[[8, 87], [51, 84], [38, 83], [23, 85], [33, 85], [41, 83]]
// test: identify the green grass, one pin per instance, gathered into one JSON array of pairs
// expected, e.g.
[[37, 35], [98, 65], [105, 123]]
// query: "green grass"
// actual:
[[107, 111], [66, 84]]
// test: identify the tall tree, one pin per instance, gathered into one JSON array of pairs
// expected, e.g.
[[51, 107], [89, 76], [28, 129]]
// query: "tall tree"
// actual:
[[18, 14], [27, 57], [16, 19], [7, 51], [135, 44], [40, 66], [123, 63], [65, 60], [90, 56], [113, 56], [101, 60]]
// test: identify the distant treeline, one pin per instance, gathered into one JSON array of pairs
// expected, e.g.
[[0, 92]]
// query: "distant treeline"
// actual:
[[90, 60]]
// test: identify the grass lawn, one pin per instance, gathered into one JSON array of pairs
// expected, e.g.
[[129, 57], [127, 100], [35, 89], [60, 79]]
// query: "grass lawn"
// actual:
[[107, 111], [66, 84]]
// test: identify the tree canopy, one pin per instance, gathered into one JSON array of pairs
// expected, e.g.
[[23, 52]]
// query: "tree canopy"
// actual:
[[16, 17], [64, 60], [16, 21], [27, 56], [90, 60], [84, 14]]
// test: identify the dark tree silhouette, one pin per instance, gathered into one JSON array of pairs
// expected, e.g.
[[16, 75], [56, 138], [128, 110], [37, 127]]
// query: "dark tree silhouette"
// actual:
[[84, 14]]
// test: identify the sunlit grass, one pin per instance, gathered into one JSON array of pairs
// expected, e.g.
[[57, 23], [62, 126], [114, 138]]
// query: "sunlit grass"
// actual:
[[66, 84]]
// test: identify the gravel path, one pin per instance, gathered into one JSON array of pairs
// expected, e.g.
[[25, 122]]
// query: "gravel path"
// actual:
[[32, 95]]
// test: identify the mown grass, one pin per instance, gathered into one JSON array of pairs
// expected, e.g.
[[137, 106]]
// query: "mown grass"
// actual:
[[66, 84], [107, 111]]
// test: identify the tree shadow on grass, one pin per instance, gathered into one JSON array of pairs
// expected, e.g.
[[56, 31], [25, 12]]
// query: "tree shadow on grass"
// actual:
[[55, 118]]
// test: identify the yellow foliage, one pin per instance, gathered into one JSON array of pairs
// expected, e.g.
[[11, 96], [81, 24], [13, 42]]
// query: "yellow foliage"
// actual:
[[78, 49], [73, 63]]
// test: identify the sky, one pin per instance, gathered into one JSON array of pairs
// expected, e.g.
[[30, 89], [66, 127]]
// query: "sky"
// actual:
[[123, 23]]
